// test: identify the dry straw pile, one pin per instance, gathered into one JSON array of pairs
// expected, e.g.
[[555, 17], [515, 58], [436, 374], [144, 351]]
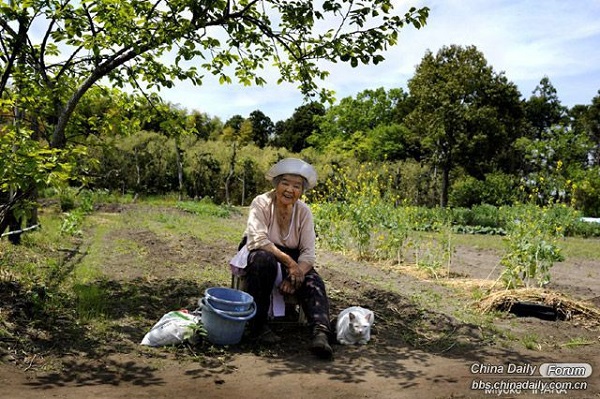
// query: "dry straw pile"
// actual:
[[565, 308]]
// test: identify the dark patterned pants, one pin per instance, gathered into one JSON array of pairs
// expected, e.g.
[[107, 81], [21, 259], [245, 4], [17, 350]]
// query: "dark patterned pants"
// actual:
[[261, 273]]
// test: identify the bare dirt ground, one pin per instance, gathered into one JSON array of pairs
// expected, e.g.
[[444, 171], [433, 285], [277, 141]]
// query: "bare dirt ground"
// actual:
[[421, 344]]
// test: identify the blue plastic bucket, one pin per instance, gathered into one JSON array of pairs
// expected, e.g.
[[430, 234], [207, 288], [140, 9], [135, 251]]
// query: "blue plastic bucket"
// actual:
[[223, 328], [228, 299], [203, 302]]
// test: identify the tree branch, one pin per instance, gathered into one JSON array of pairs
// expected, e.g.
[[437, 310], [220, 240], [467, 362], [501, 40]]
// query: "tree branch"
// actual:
[[20, 40]]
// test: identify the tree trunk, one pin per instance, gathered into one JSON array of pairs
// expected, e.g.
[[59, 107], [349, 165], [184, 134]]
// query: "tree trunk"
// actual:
[[445, 186], [59, 139], [20, 41], [179, 161], [446, 165], [8, 220], [230, 175], [32, 220], [243, 181]]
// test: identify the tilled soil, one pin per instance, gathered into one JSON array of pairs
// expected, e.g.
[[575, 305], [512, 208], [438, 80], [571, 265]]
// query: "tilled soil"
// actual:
[[424, 344]]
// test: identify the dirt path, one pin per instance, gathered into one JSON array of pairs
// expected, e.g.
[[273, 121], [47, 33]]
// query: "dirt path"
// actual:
[[420, 347]]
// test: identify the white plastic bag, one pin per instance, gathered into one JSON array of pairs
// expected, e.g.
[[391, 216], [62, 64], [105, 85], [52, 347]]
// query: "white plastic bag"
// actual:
[[173, 328]]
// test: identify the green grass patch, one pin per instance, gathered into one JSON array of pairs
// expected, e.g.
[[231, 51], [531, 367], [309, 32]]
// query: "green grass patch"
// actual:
[[571, 247], [97, 228], [577, 342], [582, 248], [531, 342], [90, 302], [205, 208]]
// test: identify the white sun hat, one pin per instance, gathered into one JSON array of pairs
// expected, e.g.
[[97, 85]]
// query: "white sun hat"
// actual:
[[294, 166]]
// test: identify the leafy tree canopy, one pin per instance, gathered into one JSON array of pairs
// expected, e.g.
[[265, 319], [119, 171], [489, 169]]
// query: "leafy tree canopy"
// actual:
[[543, 109], [464, 112], [293, 133], [262, 128], [366, 124], [52, 52], [55, 50]]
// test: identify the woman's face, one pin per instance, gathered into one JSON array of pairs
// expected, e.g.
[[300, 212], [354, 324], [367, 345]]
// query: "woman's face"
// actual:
[[289, 189]]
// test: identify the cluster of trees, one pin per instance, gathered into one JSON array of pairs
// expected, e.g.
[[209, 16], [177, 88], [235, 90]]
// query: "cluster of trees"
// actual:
[[474, 128], [53, 52], [461, 135]]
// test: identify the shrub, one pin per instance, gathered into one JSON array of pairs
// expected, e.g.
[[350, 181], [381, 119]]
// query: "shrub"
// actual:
[[500, 189], [462, 216], [466, 192], [531, 246], [583, 229], [486, 215], [66, 198], [586, 192], [497, 189]]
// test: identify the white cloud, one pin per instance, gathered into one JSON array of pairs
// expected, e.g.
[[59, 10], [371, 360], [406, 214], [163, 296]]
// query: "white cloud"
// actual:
[[527, 39]]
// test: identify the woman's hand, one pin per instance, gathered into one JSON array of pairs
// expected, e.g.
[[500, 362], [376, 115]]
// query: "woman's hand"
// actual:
[[286, 287], [294, 279]]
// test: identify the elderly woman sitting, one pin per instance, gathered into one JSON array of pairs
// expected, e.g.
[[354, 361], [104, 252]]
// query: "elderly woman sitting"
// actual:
[[280, 231]]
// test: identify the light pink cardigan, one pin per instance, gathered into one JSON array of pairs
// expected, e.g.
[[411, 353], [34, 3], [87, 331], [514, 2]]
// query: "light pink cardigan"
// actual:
[[263, 229]]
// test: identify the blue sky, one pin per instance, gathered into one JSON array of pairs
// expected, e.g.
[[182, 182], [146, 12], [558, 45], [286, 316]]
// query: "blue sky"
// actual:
[[525, 39]]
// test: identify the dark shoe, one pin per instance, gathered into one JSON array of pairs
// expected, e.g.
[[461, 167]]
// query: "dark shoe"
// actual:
[[265, 336], [320, 346]]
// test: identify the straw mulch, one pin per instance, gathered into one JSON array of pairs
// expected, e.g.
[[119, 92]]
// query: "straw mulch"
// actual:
[[566, 308]]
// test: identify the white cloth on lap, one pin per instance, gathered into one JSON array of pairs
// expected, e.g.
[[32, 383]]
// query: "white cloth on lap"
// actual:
[[239, 262]]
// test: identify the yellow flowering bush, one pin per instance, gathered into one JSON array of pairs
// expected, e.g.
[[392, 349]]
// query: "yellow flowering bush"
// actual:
[[361, 214], [531, 246]]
